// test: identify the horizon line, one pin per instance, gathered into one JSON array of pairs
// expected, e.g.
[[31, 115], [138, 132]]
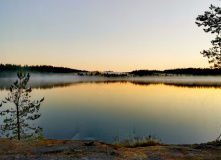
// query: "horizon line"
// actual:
[[105, 70]]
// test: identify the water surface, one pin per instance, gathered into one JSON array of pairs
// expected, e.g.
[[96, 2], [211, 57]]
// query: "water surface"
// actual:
[[175, 109]]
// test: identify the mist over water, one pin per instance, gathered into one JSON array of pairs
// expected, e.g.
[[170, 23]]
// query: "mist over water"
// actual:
[[177, 109], [45, 81]]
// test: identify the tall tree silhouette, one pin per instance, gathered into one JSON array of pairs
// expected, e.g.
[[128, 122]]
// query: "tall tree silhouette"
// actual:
[[211, 22], [16, 118]]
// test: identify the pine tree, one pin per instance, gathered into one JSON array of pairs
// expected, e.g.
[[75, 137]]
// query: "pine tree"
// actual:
[[15, 124], [211, 22]]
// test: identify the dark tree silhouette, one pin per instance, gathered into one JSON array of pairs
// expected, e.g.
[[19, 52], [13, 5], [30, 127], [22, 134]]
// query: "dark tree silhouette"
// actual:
[[43, 68], [16, 118], [211, 22]]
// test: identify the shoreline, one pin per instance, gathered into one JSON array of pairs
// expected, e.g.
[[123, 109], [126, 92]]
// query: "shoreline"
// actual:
[[85, 149]]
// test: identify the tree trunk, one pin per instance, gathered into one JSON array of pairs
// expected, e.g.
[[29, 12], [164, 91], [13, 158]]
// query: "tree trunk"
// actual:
[[18, 122]]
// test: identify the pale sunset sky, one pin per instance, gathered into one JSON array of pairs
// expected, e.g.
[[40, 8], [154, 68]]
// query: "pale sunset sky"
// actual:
[[117, 35]]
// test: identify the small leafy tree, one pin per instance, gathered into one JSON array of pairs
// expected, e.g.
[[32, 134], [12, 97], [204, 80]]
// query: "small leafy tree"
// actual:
[[211, 21], [16, 118]]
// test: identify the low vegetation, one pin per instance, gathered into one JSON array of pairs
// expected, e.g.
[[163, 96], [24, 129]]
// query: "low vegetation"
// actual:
[[216, 142], [139, 142]]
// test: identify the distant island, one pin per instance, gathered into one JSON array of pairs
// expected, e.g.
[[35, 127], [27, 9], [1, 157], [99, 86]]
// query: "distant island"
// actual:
[[12, 68]]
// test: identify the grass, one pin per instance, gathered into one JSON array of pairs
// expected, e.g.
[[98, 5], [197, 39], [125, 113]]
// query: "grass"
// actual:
[[138, 142]]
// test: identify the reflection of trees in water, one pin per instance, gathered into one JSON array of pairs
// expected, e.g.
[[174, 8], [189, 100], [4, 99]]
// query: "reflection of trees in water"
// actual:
[[183, 85], [42, 86], [50, 85], [216, 86], [144, 83]]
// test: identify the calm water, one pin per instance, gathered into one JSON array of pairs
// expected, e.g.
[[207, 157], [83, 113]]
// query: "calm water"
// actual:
[[175, 109]]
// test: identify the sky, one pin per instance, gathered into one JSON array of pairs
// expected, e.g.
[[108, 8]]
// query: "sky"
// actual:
[[116, 35]]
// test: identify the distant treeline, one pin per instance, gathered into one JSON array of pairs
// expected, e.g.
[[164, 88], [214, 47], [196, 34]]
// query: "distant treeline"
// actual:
[[43, 68], [52, 69], [183, 71]]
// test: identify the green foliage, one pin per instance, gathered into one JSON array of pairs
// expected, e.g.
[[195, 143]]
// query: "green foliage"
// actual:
[[15, 124], [138, 142], [218, 141], [211, 21]]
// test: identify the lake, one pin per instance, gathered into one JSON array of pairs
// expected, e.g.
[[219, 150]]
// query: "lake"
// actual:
[[177, 110]]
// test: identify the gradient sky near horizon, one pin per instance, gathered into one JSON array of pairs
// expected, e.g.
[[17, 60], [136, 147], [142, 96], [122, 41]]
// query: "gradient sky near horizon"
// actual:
[[117, 35]]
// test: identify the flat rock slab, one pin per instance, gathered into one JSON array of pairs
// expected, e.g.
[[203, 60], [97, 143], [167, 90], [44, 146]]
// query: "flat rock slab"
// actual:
[[47, 149]]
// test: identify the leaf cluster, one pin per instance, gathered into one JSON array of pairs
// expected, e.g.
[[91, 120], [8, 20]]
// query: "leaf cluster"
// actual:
[[211, 22]]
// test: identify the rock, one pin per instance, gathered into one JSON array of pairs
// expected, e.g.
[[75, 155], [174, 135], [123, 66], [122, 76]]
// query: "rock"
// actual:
[[95, 150]]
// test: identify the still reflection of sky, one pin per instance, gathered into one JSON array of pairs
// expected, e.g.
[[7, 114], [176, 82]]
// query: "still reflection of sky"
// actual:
[[102, 111]]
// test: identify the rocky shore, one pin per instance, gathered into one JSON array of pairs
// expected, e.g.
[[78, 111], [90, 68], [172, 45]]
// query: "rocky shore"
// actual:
[[47, 149]]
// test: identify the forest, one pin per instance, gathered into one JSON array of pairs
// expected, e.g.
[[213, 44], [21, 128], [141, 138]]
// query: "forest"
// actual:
[[37, 68], [52, 69], [179, 71]]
